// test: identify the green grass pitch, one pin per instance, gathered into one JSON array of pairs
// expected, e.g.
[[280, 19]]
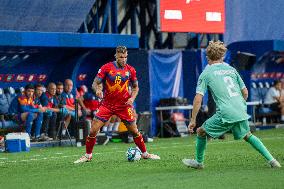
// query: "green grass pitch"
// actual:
[[228, 164]]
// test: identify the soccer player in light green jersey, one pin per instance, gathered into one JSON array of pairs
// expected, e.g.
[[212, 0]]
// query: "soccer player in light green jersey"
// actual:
[[230, 95]]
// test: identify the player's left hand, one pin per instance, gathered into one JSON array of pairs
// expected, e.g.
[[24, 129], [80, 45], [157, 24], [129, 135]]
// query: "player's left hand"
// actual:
[[130, 101]]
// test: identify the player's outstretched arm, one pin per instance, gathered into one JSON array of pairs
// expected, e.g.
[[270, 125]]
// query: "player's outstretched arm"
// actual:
[[196, 107]]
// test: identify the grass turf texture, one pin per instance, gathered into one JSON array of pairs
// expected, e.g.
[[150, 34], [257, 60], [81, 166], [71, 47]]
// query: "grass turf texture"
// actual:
[[228, 164]]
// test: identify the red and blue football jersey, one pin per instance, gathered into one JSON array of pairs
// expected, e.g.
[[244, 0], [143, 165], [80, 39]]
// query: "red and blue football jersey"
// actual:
[[116, 83], [27, 104]]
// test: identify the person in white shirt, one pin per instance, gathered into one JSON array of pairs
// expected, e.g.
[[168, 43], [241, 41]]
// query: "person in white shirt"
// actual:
[[274, 99]]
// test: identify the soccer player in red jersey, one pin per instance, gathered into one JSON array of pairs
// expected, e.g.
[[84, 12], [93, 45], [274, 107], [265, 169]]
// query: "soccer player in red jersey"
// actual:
[[116, 78]]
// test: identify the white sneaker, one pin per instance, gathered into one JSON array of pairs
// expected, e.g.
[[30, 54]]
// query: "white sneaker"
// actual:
[[83, 159], [150, 156], [274, 163], [193, 163]]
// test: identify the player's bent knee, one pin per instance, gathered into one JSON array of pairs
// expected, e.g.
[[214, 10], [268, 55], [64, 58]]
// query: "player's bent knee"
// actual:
[[135, 134], [134, 131], [246, 137], [201, 132], [93, 132]]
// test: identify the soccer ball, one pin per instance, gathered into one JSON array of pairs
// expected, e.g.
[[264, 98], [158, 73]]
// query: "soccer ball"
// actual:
[[133, 154]]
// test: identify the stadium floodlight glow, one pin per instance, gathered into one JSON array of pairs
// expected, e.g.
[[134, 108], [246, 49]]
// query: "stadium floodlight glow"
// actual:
[[15, 56], [3, 58], [26, 56]]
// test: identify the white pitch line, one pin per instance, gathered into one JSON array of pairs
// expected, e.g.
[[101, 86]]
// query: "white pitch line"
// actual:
[[177, 145]]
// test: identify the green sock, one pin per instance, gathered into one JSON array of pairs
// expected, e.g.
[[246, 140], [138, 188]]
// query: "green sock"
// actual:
[[200, 148], [259, 146]]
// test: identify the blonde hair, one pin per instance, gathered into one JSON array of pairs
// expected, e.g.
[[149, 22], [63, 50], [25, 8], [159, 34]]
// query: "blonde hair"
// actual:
[[216, 50]]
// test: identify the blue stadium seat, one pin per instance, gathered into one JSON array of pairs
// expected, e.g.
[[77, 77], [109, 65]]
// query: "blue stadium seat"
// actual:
[[10, 94], [254, 92], [262, 90], [4, 104]]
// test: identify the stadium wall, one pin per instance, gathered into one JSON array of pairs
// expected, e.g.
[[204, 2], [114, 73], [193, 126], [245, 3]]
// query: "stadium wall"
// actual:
[[254, 20]]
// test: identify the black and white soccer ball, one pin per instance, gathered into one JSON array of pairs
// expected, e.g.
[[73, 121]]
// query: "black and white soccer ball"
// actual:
[[133, 154]]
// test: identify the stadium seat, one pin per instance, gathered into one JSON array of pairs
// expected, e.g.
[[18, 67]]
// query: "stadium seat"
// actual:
[[254, 92], [10, 94], [4, 104]]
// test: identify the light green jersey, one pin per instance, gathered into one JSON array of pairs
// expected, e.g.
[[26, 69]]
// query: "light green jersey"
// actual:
[[225, 84]]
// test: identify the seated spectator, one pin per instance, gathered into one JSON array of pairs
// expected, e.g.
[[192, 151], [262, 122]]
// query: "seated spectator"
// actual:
[[81, 91], [41, 101], [29, 112], [111, 126], [62, 115], [90, 102], [273, 99], [49, 101], [282, 90], [69, 98], [58, 95]]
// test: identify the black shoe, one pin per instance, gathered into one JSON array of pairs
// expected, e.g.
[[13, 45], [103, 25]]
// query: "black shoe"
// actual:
[[64, 137]]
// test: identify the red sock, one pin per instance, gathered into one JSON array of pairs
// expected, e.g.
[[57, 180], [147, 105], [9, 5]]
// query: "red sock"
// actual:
[[140, 143], [90, 143]]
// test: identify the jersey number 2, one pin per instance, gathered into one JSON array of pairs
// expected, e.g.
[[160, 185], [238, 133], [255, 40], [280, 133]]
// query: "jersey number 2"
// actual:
[[230, 86]]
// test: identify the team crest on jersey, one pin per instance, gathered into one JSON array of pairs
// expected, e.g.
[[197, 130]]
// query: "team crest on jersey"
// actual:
[[127, 74]]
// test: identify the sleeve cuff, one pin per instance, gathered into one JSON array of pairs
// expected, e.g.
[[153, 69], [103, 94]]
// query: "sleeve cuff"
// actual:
[[199, 92], [100, 79]]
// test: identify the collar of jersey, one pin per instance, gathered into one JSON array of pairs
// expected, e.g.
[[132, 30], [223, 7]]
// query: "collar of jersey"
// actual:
[[216, 64], [114, 63]]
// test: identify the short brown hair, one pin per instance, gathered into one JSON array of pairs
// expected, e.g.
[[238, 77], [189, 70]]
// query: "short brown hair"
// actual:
[[38, 85], [121, 49], [59, 83], [216, 50]]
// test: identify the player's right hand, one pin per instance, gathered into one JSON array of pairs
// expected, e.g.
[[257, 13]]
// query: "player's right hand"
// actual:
[[99, 93], [191, 126]]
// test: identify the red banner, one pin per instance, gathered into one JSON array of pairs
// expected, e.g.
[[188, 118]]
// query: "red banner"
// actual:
[[198, 16]]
